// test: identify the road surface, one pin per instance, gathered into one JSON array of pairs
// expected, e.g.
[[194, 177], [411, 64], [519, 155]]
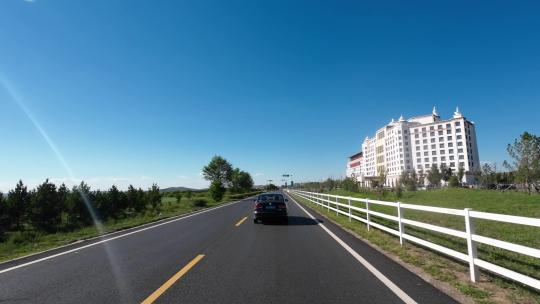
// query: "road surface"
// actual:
[[217, 256]]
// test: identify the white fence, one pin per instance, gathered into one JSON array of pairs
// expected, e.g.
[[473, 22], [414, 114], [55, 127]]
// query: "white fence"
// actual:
[[331, 202]]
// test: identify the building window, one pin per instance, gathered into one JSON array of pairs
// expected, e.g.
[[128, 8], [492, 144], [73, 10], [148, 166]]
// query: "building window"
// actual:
[[461, 164], [417, 147], [441, 138], [427, 166], [425, 147], [416, 136], [426, 159], [442, 151], [423, 129], [443, 158], [448, 126], [458, 136], [426, 153], [431, 127], [460, 143], [441, 145], [433, 146], [434, 159], [433, 152], [418, 160], [433, 140], [458, 130], [431, 133], [448, 131], [457, 123], [452, 164], [417, 142], [439, 127], [440, 132], [419, 167], [451, 151], [418, 153], [451, 157], [450, 145], [449, 137], [460, 150], [461, 157]]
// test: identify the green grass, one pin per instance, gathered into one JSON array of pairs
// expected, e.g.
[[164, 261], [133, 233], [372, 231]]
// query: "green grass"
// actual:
[[438, 265], [511, 203], [20, 244]]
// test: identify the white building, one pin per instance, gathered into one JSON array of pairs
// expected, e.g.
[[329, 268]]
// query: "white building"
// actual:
[[416, 144], [354, 166]]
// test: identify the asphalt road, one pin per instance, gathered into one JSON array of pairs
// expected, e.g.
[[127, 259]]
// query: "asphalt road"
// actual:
[[215, 257]]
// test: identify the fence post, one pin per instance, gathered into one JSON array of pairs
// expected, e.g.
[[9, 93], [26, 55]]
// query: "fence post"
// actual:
[[471, 246], [328, 203], [367, 213], [337, 206], [349, 210], [401, 226]]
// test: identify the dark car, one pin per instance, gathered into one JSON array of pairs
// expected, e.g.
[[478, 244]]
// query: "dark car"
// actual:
[[270, 206]]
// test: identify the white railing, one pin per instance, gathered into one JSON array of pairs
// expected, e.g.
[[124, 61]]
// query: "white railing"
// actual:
[[331, 202]]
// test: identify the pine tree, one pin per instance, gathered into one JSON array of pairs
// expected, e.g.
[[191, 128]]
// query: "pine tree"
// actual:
[[18, 205]]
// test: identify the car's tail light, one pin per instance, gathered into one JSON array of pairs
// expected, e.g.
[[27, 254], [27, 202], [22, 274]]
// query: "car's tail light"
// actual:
[[282, 206], [259, 206]]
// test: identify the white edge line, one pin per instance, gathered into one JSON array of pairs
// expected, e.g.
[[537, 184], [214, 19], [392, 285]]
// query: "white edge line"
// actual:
[[112, 238], [148, 224], [393, 287]]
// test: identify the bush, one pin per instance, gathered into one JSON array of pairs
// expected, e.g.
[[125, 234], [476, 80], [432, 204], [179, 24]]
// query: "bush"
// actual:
[[217, 190], [453, 182], [399, 191], [349, 184], [200, 202]]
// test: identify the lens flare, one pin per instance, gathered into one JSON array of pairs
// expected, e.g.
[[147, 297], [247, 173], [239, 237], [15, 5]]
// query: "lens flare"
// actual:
[[122, 286]]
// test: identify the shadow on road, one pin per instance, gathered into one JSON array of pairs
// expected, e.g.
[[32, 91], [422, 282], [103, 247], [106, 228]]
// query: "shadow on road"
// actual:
[[294, 221]]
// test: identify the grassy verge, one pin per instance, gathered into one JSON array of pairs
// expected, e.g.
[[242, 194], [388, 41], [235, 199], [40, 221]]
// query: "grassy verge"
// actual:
[[28, 242], [511, 203], [490, 290]]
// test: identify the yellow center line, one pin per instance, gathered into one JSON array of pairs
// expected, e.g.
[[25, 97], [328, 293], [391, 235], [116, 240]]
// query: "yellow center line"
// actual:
[[241, 221], [156, 294]]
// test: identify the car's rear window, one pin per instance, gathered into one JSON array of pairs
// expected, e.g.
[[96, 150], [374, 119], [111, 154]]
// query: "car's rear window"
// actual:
[[270, 198]]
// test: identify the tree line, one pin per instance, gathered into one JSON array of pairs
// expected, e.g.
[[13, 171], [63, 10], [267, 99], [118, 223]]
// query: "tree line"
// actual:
[[222, 177], [523, 172], [49, 208]]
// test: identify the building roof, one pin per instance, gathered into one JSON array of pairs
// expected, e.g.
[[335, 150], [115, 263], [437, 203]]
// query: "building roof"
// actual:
[[356, 155]]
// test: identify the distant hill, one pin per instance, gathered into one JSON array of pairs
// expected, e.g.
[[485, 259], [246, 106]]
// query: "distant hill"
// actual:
[[174, 189]]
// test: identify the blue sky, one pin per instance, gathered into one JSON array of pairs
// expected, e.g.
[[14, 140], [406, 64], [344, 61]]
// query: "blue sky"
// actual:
[[148, 91]]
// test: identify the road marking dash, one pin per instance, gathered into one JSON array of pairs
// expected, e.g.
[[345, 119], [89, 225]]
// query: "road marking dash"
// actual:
[[241, 221], [156, 294]]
